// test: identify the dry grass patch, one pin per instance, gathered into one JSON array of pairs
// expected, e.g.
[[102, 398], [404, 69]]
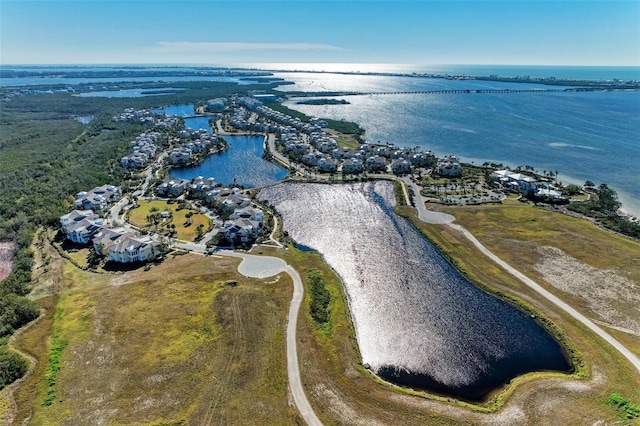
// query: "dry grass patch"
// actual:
[[173, 345], [593, 269]]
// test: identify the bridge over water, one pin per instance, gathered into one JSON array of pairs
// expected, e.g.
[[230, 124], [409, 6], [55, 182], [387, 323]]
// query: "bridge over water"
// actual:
[[458, 91], [426, 92]]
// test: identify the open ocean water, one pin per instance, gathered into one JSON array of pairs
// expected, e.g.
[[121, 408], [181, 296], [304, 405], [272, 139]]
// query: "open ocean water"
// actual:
[[583, 135]]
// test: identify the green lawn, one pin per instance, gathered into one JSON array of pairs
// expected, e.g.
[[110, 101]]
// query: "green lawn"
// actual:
[[184, 231]]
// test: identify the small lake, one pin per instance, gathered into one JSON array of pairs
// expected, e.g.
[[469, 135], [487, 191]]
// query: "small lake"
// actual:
[[419, 323], [196, 123], [241, 163]]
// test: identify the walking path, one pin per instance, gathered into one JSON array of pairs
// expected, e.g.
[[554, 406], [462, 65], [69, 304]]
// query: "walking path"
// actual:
[[635, 361], [263, 267], [446, 219]]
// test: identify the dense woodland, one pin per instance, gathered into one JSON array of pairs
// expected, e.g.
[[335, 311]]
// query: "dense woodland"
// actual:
[[46, 157]]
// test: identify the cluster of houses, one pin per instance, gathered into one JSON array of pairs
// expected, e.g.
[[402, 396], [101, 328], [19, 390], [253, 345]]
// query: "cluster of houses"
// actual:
[[144, 148], [194, 142], [160, 120], [86, 227], [525, 185], [131, 114], [317, 149], [244, 222]]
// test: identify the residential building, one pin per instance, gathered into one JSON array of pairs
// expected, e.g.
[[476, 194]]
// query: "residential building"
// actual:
[[134, 249], [76, 216], [173, 188], [449, 166], [98, 198]]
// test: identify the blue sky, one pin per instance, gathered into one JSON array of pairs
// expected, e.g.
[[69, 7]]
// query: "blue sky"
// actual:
[[247, 32]]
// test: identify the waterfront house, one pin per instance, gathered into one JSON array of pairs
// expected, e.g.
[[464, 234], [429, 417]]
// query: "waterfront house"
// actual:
[[400, 166], [233, 202], [376, 163], [515, 182], [547, 194], [422, 159], [449, 166], [247, 213], [173, 188], [200, 186], [180, 155]]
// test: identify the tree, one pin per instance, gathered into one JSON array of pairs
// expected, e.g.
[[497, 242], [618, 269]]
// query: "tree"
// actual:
[[588, 184], [572, 189], [12, 366], [608, 200], [199, 231], [95, 256]]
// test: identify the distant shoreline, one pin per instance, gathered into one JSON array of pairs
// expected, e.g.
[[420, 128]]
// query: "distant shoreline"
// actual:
[[266, 74]]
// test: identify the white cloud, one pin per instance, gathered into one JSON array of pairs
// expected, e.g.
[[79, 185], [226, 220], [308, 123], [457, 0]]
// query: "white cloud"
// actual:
[[194, 46]]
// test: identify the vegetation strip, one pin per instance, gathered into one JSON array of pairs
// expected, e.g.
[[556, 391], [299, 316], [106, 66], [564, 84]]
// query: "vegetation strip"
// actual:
[[320, 297], [626, 409], [53, 368]]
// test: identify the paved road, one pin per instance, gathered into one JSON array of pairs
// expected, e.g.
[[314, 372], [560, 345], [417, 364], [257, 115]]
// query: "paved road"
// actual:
[[271, 141], [263, 267], [424, 214], [266, 266], [114, 213], [635, 361]]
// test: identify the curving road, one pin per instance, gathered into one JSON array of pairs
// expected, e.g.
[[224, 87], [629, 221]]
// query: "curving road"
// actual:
[[635, 361], [263, 267]]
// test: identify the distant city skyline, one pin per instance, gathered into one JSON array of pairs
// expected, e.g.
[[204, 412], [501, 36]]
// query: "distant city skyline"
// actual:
[[238, 33]]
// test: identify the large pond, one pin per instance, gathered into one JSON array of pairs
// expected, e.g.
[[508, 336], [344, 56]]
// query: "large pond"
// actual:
[[419, 322], [241, 163]]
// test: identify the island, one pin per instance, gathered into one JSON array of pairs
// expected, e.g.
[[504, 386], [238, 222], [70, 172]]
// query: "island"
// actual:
[[323, 101]]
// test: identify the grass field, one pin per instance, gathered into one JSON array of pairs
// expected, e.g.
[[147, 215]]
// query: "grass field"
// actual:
[[189, 342], [138, 217], [344, 140], [179, 345]]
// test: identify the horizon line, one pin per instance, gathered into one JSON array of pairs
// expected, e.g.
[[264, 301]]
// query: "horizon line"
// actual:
[[255, 65]]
